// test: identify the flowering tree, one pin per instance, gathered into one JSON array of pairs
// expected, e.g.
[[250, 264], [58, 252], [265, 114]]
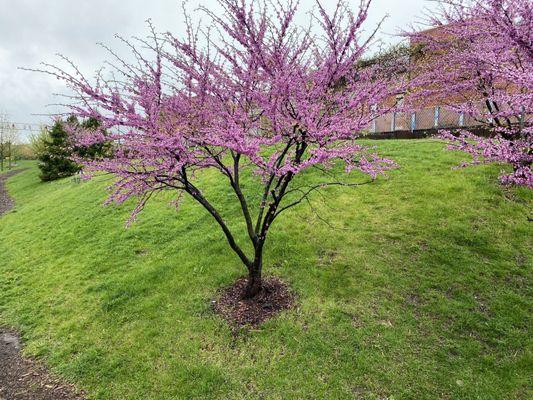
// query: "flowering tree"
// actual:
[[479, 62], [253, 91]]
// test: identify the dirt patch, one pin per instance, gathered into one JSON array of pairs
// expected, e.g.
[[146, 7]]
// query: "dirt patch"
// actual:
[[234, 308], [6, 202], [23, 378]]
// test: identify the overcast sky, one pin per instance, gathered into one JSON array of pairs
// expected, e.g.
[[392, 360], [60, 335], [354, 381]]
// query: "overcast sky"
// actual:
[[32, 31]]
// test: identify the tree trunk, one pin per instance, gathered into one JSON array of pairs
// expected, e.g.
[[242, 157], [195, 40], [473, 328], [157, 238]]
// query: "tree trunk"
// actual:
[[255, 282], [10, 156]]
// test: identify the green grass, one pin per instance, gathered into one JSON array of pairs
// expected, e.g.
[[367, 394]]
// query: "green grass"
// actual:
[[420, 289]]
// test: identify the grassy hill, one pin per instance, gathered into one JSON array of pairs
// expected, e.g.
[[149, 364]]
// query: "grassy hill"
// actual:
[[418, 288]]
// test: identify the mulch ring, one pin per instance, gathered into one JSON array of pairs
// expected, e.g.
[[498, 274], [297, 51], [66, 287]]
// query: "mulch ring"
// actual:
[[6, 202], [22, 378], [237, 310]]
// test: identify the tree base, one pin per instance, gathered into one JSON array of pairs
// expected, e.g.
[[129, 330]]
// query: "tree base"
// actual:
[[253, 289], [236, 307]]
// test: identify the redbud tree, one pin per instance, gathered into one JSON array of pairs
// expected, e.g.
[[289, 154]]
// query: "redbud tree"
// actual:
[[250, 92], [479, 61]]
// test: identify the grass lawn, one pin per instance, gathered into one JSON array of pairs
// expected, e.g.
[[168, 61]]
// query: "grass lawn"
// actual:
[[419, 288]]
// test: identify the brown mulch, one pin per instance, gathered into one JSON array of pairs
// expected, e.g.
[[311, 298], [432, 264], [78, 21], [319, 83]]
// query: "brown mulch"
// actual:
[[22, 378], [236, 309], [6, 202]]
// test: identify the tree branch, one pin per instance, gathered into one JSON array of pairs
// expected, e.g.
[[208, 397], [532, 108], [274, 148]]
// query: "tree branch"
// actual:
[[306, 193], [198, 196]]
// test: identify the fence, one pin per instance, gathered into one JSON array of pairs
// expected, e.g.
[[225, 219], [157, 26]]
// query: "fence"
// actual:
[[423, 120]]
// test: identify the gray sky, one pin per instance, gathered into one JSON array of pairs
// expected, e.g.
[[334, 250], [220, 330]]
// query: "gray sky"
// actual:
[[32, 31]]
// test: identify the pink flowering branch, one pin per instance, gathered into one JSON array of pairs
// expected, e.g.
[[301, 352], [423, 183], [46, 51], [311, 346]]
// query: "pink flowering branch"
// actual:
[[496, 149], [479, 62]]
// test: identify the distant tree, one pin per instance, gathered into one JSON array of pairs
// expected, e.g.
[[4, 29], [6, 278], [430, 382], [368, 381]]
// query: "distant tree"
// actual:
[[38, 141], [24, 151], [479, 62], [55, 156], [396, 57], [4, 126], [263, 99], [8, 140]]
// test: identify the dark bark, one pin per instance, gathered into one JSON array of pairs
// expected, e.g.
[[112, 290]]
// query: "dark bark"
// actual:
[[196, 194], [277, 193], [255, 283], [275, 188]]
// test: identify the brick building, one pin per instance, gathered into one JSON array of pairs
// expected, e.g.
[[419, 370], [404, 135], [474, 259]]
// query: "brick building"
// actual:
[[433, 112]]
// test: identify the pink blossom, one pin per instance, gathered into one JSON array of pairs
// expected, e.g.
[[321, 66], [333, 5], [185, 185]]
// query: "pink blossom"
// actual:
[[479, 61]]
